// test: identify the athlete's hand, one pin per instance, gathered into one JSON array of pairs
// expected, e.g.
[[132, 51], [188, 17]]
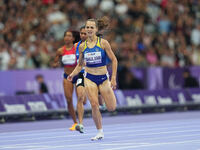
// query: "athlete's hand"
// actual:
[[113, 83], [70, 77]]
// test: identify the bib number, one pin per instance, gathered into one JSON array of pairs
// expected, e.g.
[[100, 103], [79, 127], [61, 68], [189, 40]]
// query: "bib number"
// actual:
[[69, 59], [93, 58]]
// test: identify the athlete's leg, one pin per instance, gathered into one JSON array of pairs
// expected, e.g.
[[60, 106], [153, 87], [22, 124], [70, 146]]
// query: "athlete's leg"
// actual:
[[100, 98], [101, 102], [92, 93], [80, 90], [108, 95], [81, 96], [68, 90]]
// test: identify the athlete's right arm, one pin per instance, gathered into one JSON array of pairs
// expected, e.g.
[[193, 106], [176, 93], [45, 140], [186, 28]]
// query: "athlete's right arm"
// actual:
[[79, 66], [56, 61]]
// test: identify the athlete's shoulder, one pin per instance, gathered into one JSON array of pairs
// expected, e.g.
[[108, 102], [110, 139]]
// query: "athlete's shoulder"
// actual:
[[82, 46], [60, 50], [76, 45], [104, 40], [79, 42], [104, 43]]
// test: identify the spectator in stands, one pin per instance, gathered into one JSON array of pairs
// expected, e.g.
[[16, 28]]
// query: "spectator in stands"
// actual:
[[42, 85], [25, 24], [130, 81], [189, 80]]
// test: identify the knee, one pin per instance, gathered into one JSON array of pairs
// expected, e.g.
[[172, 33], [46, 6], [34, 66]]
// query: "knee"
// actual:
[[69, 104], [94, 105], [81, 99], [69, 100], [111, 108]]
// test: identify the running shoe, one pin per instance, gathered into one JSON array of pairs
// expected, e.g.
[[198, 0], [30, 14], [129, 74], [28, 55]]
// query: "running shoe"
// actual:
[[103, 107], [79, 127], [73, 127], [99, 136]]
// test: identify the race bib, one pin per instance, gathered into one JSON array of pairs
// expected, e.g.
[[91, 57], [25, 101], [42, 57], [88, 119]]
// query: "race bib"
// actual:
[[69, 59], [93, 58], [79, 81]]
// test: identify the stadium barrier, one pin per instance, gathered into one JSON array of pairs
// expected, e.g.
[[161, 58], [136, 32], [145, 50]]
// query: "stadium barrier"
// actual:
[[23, 81], [19, 96], [136, 101]]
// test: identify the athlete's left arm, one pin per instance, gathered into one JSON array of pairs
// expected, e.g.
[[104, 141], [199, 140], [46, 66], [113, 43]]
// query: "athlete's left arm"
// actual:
[[111, 55], [79, 66]]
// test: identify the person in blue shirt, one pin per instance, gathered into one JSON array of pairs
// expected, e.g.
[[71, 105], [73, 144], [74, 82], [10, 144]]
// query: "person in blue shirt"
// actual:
[[92, 54], [80, 90]]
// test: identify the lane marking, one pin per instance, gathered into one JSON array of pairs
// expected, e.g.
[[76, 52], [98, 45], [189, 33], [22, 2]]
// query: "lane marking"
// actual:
[[136, 125], [119, 126], [155, 144]]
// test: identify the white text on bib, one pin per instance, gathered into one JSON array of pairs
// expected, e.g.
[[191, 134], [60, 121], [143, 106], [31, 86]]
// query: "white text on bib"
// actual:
[[69, 59], [93, 58]]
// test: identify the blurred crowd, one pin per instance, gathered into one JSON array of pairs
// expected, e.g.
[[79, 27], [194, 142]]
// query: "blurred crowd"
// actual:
[[142, 33]]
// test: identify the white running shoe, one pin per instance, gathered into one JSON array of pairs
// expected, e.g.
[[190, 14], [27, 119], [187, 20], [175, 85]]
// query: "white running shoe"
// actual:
[[99, 136]]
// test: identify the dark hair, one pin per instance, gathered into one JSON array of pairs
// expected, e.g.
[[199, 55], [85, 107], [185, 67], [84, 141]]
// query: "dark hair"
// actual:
[[75, 34], [83, 27], [186, 70], [100, 35], [101, 23], [39, 76]]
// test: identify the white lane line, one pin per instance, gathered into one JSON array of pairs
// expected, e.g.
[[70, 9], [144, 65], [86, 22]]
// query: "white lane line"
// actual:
[[107, 133], [135, 124], [115, 127], [121, 144], [118, 148], [145, 139], [125, 130], [158, 133], [154, 144], [110, 137], [25, 147], [69, 146]]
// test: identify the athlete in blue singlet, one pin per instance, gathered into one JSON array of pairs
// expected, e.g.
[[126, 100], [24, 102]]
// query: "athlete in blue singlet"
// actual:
[[80, 90], [81, 95], [93, 52]]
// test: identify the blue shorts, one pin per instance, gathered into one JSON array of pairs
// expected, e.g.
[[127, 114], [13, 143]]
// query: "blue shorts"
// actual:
[[98, 79], [74, 79]]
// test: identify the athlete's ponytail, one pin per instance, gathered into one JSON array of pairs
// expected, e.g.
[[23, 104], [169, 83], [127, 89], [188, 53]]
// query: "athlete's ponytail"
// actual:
[[101, 23]]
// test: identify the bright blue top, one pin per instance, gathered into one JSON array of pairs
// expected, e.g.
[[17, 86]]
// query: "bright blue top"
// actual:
[[96, 56], [108, 61], [77, 54]]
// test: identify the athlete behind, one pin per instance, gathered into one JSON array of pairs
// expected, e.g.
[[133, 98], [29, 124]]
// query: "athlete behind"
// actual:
[[67, 54], [80, 90]]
